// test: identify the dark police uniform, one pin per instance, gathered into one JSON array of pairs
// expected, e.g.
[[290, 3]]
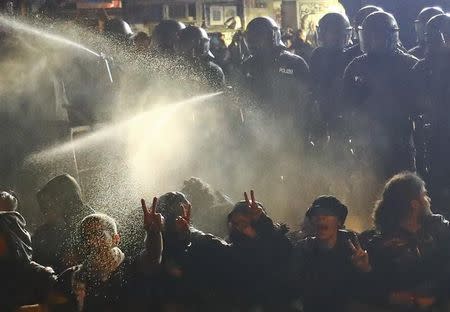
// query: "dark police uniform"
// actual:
[[377, 92]]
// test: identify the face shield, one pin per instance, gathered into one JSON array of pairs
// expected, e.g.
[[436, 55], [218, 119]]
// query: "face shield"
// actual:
[[194, 47], [438, 38], [380, 41], [420, 30], [334, 38], [258, 42], [204, 47]]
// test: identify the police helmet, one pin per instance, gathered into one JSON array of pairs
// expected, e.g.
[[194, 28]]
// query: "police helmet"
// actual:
[[379, 33], [334, 30], [263, 33]]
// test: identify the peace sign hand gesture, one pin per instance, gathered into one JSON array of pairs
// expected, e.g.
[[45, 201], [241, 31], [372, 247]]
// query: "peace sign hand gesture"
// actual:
[[360, 257], [182, 222], [255, 209], [153, 222]]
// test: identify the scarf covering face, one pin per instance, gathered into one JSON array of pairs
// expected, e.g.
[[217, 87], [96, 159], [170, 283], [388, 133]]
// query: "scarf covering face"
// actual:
[[88, 273]]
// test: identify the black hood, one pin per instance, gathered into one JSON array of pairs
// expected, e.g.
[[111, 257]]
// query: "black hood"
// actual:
[[17, 238], [63, 192]]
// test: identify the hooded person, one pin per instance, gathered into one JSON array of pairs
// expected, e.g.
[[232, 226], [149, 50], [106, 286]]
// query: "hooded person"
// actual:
[[327, 260], [62, 206], [23, 281]]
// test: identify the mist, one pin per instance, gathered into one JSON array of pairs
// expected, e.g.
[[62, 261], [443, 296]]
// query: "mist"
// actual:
[[158, 126]]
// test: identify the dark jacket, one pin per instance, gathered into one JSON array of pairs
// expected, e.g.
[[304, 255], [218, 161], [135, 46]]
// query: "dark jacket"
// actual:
[[22, 281], [54, 243], [192, 271], [15, 236], [432, 88], [124, 290], [377, 92], [258, 269], [327, 71], [324, 279], [413, 262], [279, 84], [418, 51]]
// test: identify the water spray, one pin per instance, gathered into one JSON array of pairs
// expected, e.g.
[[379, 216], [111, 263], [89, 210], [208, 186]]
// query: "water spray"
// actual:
[[21, 27], [108, 131]]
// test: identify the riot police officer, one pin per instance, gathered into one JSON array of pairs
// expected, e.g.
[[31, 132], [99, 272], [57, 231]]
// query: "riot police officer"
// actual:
[[376, 88], [328, 63], [165, 36], [420, 24], [118, 29], [355, 50], [193, 47], [276, 77], [431, 76]]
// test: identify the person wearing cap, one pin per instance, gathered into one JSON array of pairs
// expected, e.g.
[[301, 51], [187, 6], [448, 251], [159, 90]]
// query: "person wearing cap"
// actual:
[[329, 266]]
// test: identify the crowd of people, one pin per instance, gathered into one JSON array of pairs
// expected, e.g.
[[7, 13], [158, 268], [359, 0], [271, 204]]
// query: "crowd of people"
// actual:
[[73, 262], [360, 94]]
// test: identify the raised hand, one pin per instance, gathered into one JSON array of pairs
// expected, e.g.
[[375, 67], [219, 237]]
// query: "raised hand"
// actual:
[[254, 209], [182, 222], [153, 221], [360, 257]]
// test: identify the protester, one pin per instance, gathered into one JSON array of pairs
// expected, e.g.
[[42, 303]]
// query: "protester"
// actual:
[[106, 279], [255, 239], [62, 206], [191, 274], [333, 257], [210, 207], [410, 255], [23, 281]]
